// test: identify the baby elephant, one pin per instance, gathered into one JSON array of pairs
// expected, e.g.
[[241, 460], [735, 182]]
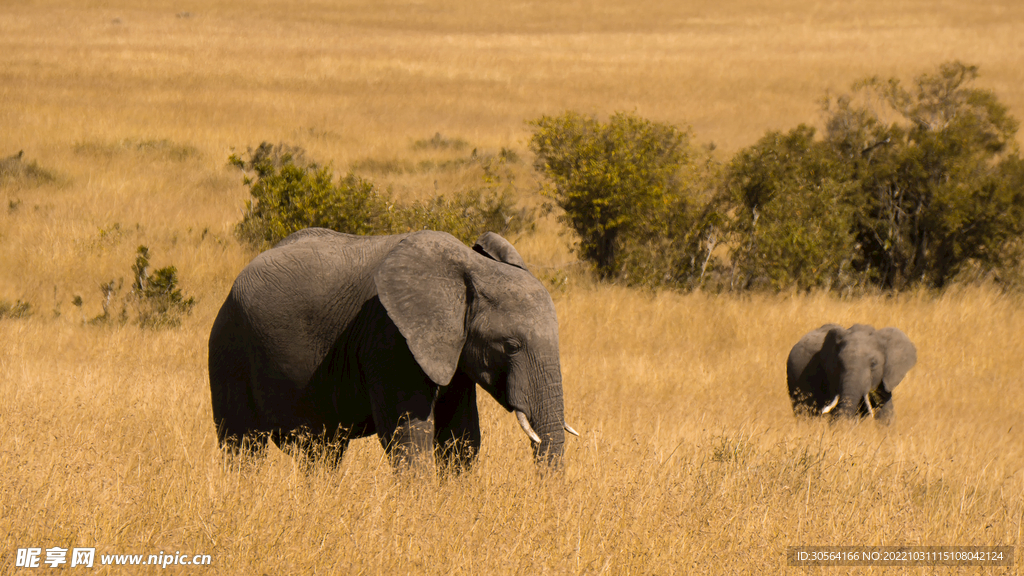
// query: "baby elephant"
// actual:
[[839, 371]]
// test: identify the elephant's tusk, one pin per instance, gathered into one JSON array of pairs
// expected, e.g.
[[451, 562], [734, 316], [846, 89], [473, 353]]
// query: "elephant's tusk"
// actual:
[[829, 408], [867, 402], [570, 430], [525, 425]]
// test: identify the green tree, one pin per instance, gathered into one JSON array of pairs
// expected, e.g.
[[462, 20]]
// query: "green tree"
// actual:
[[790, 217], [617, 182], [907, 186], [935, 186]]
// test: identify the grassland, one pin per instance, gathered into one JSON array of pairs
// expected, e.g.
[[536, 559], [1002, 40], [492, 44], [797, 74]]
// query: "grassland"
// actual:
[[689, 461]]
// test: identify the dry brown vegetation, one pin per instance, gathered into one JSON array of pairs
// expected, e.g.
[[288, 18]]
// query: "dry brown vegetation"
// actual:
[[689, 461]]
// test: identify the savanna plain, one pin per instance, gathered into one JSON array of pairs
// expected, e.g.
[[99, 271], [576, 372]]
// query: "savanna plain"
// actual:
[[689, 459]]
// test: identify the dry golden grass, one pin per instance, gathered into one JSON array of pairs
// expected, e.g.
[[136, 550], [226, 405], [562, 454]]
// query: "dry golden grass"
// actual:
[[690, 460]]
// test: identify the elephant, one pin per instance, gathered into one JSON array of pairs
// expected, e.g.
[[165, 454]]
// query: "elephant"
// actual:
[[328, 337], [848, 372]]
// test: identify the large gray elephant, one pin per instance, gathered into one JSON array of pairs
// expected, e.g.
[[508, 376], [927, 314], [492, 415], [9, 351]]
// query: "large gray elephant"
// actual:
[[848, 372], [328, 337]]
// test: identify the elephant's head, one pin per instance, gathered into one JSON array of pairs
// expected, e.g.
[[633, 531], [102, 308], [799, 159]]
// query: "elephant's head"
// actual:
[[863, 366], [482, 312]]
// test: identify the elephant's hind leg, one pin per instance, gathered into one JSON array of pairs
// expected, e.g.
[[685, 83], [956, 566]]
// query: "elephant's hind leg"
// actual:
[[237, 430], [234, 412]]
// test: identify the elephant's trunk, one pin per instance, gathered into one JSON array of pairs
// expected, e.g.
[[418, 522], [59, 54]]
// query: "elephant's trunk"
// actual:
[[544, 420], [855, 384], [552, 443]]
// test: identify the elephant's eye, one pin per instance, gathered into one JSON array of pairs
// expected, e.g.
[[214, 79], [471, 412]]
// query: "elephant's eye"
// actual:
[[512, 346]]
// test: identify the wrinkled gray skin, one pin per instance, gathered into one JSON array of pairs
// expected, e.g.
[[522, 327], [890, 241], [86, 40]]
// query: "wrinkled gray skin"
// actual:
[[848, 372], [328, 337]]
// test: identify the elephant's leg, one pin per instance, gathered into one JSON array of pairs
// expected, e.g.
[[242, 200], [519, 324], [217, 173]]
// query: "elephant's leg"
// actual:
[[237, 430], [326, 448], [249, 443], [234, 410], [401, 395], [335, 445], [403, 415], [885, 413], [457, 424], [412, 444]]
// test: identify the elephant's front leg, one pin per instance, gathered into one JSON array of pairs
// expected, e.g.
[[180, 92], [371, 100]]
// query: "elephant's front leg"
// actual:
[[412, 444], [457, 424], [403, 413], [401, 395]]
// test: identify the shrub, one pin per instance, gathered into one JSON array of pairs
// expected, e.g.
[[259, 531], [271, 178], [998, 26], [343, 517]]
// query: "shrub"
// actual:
[[907, 186], [627, 188], [439, 142], [791, 221], [156, 298], [289, 194], [466, 215], [18, 309], [469, 213], [15, 171], [162, 148]]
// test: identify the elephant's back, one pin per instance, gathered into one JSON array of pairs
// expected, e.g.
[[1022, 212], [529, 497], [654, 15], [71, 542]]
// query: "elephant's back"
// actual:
[[321, 235], [301, 294], [317, 259]]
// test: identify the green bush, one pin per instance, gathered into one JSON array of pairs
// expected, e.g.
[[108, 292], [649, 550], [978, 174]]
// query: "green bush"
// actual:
[[681, 252], [622, 190], [466, 215], [157, 298], [937, 190], [289, 194], [908, 186], [791, 221]]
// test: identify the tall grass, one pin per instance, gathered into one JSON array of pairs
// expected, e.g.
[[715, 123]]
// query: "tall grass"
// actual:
[[689, 460]]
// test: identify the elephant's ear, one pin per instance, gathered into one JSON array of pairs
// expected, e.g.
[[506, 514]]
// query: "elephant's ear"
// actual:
[[422, 286], [830, 353], [497, 248], [900, 356]]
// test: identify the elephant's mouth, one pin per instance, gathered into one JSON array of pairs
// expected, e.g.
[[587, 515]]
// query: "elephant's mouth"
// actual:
[[501, 399], [521, 417], [874, 400], [524, 423], [870, 402]]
